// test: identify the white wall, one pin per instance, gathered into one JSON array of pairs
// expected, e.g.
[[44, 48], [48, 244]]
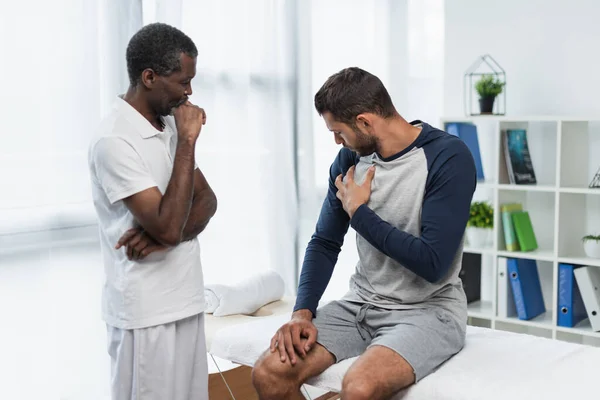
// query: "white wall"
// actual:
[[548, 48]]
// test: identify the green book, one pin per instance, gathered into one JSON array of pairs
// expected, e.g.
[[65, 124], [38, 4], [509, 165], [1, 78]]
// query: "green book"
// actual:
[[524, 230], [510, 237]]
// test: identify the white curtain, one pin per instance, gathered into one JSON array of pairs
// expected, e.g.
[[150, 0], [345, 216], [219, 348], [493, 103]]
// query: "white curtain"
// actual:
[[63, 61], [245, 82]]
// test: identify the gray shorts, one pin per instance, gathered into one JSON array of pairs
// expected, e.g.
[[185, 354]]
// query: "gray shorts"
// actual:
[[425, 338]]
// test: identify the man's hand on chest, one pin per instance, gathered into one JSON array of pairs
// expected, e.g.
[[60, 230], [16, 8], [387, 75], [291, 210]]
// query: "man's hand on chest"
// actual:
[[351, 194]]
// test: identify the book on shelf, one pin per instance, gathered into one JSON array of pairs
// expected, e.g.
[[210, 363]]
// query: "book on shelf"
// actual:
[[467, 132], [517, 157], [510, 236], [524, 230], [517, 228]]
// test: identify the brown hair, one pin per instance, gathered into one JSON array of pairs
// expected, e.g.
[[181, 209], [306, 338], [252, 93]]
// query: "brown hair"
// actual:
[[353, 91]]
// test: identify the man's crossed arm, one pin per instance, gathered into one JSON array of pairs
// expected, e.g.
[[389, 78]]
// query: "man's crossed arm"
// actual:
[[139, 242]]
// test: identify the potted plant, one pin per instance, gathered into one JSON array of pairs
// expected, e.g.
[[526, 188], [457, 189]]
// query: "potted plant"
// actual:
[[591, 245], [488, 89], [480, 224]]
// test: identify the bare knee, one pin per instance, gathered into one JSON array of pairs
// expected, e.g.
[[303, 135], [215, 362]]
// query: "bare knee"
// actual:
[[356, 388], [273, 379]]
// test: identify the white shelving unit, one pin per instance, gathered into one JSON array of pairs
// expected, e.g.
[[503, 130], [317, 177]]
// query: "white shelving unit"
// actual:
[[565, 153]]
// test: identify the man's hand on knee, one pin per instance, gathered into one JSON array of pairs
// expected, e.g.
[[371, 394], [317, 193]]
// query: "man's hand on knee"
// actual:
[[295, 337]]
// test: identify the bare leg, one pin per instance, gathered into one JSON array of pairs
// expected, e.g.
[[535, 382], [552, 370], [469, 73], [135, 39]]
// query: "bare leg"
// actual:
[[378, 374], [277, 380]]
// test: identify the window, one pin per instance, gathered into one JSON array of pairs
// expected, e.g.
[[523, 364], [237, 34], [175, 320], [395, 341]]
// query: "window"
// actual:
[[245, 82]]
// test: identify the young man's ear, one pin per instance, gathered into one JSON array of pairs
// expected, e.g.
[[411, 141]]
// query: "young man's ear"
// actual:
[[363, 121]]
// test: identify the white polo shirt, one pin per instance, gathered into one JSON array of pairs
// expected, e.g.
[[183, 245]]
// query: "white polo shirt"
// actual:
[[129, 155]]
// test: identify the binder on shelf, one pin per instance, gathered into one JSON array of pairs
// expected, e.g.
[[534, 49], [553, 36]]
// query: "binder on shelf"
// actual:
[[467, 132], [588, 280], [510, 236], [506, 303], [527, 289], [470, 275], [524, 230], [571, 309]]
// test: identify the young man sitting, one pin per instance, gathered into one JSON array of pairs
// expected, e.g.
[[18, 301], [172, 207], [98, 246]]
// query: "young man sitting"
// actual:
[[406, 189]]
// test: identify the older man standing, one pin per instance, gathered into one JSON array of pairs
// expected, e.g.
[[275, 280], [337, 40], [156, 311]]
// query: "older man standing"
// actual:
[[152, 201]]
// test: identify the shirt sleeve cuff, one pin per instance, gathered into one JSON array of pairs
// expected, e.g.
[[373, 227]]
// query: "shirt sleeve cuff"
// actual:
[[306, 303], [115, 196], [360, 217]]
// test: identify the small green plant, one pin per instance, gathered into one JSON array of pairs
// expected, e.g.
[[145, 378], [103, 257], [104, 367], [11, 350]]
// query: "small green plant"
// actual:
[[488, 87], [595, 238], [481, 215]]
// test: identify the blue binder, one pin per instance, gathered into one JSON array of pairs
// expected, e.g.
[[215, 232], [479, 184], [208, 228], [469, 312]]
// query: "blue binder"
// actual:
[[571, 310], [527, 290], [468, 133]]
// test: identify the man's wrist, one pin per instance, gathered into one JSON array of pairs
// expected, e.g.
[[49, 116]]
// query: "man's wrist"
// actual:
[[304, 313], [187, 141]]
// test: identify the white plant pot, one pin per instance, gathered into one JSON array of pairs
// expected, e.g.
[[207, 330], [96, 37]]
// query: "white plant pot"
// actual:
[[592, 248], [479, 237]]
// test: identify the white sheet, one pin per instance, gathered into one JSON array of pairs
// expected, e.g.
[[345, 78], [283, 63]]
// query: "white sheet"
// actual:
[[494, 365], [244, 297]]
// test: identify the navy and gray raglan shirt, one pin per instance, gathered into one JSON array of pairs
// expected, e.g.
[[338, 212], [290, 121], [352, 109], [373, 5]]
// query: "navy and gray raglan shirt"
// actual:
[[410, 233]]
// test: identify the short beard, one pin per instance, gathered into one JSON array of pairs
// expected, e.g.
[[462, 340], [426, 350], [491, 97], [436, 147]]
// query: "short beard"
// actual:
[[365, 144]]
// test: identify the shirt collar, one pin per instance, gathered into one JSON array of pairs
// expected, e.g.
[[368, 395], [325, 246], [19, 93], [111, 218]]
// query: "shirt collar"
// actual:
[[142, 125]]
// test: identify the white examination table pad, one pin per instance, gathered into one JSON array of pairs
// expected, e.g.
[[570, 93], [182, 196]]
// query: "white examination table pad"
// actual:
[[493, 364]]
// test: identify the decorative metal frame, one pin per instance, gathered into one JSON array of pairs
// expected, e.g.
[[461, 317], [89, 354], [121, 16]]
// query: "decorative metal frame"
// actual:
[[595, 183], [472, 71]]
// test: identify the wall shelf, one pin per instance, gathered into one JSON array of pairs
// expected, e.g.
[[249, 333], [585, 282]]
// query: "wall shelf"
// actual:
[[565, 153]]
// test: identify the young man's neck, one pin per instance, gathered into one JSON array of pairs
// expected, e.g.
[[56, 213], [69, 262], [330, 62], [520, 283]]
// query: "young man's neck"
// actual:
[[138, 101], [397, 135]]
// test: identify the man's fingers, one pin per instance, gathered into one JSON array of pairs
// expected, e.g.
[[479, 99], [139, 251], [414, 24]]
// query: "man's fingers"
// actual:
[[369, 177], [139, 248], [338, 182], [135, 240], [273, 345], [135, 245], [289, 346], [125, 238], [311, 335], [350, 174], [297, 341], [281, 347]]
